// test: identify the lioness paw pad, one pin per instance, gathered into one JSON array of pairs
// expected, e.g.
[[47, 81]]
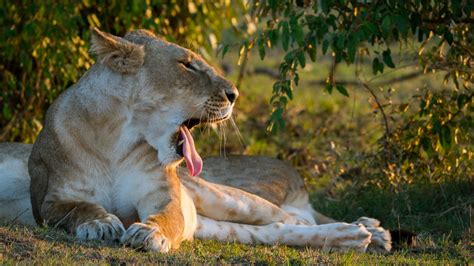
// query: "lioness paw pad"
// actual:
[[145, 237], [109, 228]]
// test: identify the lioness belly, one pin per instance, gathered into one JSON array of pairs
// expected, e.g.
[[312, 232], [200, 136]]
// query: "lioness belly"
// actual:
[[266, 177]]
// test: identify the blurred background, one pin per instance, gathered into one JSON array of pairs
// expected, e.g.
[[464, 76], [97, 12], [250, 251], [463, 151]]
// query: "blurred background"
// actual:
[[371, 102]]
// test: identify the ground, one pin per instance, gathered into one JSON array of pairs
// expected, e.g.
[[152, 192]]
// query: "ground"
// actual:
[[327, 138], [49, 246]]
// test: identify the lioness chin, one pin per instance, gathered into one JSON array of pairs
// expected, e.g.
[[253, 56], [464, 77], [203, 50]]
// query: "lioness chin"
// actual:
[[105, 164]]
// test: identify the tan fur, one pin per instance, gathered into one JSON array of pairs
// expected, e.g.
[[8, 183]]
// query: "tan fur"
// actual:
[[105, 164], [118, 54], [120, 119]]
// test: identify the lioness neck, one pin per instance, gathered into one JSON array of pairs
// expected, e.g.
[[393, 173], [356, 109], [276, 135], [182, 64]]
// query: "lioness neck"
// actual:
[[103, 122]]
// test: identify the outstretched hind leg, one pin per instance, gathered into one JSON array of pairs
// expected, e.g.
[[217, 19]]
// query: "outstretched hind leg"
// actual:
[[336, 236], [297, 204]]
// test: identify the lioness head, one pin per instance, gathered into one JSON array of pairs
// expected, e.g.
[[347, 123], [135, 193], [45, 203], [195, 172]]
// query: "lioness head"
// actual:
[[169, 90]]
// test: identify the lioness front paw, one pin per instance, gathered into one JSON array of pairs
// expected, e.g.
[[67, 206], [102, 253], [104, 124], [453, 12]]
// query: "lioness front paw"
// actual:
[[381, 240], [346, 237], [108, 228], [146, 237]]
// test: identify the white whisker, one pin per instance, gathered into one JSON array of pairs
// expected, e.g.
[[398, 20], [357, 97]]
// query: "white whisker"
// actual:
[[199, 104], [237, 131], [224, 138]]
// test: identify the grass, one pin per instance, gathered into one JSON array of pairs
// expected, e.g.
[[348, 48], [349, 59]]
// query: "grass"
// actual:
[[49, 246], [326, 139]]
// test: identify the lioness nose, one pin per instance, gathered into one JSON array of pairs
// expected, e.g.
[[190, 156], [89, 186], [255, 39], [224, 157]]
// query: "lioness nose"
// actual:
[[232, 94]]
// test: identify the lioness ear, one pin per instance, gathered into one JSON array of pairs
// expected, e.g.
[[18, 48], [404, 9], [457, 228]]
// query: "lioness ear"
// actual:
[[117, 53]]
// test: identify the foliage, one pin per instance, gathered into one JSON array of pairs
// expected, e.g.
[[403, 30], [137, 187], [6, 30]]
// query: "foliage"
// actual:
[[434, 142], [45, 46], [347, 29]]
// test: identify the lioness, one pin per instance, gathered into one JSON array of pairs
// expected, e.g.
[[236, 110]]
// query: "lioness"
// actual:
[[105, 165]]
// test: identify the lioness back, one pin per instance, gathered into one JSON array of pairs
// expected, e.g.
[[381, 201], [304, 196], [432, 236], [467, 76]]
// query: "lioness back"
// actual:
[[15, 184]]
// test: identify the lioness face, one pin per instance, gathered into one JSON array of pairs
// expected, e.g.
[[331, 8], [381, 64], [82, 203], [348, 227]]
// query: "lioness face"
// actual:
[[173, 90]]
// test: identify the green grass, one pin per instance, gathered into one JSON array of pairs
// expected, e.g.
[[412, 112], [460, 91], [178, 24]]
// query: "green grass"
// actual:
[[48, 246], [326, 139]]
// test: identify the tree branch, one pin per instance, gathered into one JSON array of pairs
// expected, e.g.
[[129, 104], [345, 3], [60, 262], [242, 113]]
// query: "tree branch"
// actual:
[[387, 128]]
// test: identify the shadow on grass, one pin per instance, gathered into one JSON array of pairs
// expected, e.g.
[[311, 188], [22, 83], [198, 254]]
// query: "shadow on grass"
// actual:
[[438, 213]]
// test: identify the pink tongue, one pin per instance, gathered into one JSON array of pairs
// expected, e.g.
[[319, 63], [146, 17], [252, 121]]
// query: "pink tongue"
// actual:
[[193, 160]]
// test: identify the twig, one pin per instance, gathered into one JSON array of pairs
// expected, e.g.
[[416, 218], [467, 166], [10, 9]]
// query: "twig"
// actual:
[[242, 67], [387, 128], [64, 217], [275, 75]]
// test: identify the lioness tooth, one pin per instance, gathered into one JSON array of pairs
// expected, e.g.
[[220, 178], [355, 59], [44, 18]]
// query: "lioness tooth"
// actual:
[[181, 142]]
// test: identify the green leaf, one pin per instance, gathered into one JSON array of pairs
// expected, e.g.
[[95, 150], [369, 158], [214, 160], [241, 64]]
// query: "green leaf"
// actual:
[[312, 53], [351, 49], [436, 126], [289, 57], [325, 46], [273, 4], [427, 146], [386, 25], [445, 137], [341, 89], [276, 87], [461, 100], [261, 47], [340, 40], [7, 113], [297, 33], [448, 36], [276, 121], [422, 105], [402, 24], [301, 58], [273, 35], [415, 22], [328, 88], [225, 50], [368, 28], [387, 58], [381, 67], [375, 65], [325, 6], [289, 91]]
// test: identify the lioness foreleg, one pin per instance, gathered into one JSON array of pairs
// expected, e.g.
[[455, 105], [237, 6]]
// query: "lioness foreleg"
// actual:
[[161, 219], [87, 221], [224, 203], [335, 236]]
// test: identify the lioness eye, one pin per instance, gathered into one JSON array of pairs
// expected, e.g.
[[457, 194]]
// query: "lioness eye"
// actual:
[[188, 65]]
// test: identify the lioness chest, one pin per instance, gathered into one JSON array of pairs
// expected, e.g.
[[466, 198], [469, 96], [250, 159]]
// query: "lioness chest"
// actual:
[[119, 184]]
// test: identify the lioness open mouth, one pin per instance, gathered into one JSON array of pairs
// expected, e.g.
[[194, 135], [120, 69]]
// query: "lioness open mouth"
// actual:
[[185, 144]]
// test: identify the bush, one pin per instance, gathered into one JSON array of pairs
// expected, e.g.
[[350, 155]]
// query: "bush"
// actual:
[[45, 46]]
